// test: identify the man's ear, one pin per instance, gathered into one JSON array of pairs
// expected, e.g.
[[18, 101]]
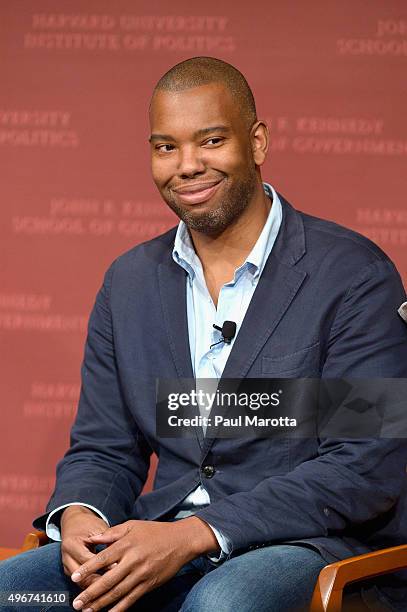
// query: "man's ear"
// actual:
[[259, 137]]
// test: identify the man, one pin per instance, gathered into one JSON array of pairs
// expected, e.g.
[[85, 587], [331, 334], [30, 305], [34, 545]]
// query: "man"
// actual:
[[236, 523]]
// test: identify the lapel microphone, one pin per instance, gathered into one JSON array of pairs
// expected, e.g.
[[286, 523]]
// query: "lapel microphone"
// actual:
[[228, 331]]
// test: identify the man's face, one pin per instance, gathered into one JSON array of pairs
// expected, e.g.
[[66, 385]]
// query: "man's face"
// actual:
[[201, 155]]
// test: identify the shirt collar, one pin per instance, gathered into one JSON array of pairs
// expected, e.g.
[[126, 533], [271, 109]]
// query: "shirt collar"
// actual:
[[184, 253]]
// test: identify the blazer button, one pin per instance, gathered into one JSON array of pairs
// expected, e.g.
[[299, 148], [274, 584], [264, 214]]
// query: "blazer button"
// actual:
[[208, 471]]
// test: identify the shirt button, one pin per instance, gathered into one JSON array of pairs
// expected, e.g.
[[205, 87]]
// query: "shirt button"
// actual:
[[208, 471], [326, 511]]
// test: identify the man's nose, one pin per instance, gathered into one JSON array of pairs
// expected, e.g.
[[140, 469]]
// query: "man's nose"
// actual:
[[191, 161]]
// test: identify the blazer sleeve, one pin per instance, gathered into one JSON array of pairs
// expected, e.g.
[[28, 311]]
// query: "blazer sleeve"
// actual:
[[107, 463], [350, 481]]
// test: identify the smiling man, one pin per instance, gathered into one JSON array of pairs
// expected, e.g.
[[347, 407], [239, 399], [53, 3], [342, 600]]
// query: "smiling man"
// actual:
[[232, 523], [217, 160], [205, 163]]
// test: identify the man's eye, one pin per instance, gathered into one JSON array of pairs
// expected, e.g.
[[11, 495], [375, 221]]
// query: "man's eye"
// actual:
[[164, 148], [217, 140]]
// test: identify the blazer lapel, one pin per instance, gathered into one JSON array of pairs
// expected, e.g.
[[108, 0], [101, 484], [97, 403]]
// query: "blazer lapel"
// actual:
[[277, 287], [172, 284]]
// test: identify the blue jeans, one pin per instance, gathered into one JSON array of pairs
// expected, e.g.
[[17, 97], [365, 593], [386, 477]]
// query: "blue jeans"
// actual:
[[273, 578]]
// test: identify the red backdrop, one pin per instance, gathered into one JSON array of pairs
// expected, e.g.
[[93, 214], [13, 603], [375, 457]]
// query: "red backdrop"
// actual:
[[76, 77]]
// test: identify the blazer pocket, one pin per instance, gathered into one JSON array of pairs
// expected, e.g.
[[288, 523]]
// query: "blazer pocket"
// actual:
[[304, 361]]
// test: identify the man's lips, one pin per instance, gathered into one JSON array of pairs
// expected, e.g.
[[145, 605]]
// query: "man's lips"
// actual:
[[195, 194]]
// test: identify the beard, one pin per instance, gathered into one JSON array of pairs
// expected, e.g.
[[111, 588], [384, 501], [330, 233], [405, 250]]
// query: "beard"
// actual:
[[230, 207]]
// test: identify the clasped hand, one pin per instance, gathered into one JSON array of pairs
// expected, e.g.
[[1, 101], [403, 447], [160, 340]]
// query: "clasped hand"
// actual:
[[140, 556]]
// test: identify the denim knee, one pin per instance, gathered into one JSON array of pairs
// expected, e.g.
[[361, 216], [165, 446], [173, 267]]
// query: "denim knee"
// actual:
[[39, 569], [203, 597], [31, 568], [274, 578]]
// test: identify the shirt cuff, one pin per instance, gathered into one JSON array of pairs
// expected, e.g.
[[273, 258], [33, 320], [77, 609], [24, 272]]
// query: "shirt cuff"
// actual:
[[53, 529], [224, 544]]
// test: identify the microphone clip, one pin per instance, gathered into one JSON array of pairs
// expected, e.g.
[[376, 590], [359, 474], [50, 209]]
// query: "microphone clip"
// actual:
[[228, 331]]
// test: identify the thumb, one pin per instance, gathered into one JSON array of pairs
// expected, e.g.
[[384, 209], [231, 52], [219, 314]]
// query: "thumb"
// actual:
[[112, 534]]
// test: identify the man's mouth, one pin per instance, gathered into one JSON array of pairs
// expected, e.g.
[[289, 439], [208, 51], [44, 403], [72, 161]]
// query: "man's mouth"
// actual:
[[198, 192]]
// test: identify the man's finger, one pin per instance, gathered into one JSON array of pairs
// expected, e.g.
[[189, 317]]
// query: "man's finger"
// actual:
[[76, 548], [92, 599], [110, 535], [70, 565], [103, 559], [126, 602], [87, 582], [112, 565]]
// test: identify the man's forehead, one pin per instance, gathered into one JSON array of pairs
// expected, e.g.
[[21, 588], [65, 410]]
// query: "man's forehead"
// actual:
[[212, 101]]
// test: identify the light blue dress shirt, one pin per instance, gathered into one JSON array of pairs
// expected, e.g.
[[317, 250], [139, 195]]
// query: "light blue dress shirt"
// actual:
[[233, 301]]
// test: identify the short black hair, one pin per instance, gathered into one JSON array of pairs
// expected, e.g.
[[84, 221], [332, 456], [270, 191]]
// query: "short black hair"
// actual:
[[203, 70]]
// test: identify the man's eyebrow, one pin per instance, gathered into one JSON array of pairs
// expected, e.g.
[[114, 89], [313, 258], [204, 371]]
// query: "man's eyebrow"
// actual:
[[201, 132], [213, 128]]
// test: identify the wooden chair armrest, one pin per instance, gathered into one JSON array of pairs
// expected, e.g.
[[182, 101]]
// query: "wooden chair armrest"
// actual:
[[34, 539], [333, 578]]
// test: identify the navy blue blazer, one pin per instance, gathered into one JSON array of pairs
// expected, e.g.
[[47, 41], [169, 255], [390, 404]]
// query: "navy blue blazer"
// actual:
[[325, 306]]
